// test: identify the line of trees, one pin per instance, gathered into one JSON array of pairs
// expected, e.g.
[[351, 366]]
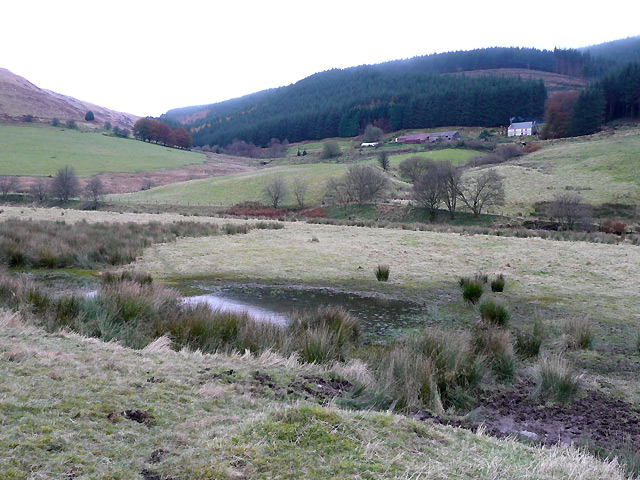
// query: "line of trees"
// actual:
[[437, 184], [151, 130]]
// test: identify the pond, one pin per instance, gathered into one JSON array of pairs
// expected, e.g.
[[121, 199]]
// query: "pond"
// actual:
[[380, 316]]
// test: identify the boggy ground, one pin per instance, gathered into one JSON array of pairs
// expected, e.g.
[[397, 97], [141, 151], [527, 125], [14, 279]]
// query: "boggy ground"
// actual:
[[593, 419]]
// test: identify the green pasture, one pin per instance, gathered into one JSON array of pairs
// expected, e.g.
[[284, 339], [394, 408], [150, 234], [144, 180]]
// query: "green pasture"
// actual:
[[457, 156], [35, 150], [234, 189], [601, 171]]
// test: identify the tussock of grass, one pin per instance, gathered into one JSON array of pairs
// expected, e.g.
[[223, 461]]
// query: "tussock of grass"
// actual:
[[528, 343], [555, 380], [497, 284], [472, 291], [579, 334], [497, 348], [437, 369], [382, 273], [494, 313]]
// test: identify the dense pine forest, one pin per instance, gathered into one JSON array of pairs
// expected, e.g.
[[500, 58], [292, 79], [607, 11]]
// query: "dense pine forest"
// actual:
[[422, 92]]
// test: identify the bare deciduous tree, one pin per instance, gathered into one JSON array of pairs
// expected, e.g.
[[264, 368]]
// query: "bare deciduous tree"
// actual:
[[482, 190], [569, 209], [39, 189], [413, 167], [94, 190], [427, 191], [337, 193], [275, 191], [451, 179], [7, 184], [300, 188], [65, 184], [365, 183]]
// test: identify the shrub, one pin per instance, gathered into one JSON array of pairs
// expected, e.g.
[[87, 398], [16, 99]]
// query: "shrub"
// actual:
[[579, 334], [528, 343], [497, 284], [555, 380], [331, 149], [382, 273], [472, 291], [494, 313]]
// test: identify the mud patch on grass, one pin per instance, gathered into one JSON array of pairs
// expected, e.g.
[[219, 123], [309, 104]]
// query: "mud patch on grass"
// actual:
[[594, 419], [321, 389], [138, 416]]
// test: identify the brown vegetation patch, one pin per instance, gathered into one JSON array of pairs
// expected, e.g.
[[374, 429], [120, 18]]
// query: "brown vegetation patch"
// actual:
[[254, 209]]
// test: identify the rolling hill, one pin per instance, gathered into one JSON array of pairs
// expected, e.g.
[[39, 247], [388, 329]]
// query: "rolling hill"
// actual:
[[19, 97]]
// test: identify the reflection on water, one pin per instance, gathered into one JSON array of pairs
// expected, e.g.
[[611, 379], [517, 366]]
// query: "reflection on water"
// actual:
[[379, 316], [227, 305]]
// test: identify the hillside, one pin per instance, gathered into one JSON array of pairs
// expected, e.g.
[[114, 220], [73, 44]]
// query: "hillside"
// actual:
[[40, 150], [19, 97], [501, 83]]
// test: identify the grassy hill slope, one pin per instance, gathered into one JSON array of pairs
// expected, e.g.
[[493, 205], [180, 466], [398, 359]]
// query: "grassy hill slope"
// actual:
[[35, 150], [602, 170], [78, 408], [233, 189]]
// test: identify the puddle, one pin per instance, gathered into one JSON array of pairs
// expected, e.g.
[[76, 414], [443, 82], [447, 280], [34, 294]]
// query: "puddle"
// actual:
[[379, 316], [221, 303]]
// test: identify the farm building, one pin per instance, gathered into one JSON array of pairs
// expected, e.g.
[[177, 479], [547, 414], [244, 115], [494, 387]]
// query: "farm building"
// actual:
[[429, 137], [522, 128]]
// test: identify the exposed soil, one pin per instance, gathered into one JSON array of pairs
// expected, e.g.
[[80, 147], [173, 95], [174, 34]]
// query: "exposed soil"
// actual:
[[138, 416], [592, 419], [151, 475], [121, 182]]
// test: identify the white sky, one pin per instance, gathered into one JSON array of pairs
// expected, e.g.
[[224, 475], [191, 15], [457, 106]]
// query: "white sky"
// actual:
[[146, 57]]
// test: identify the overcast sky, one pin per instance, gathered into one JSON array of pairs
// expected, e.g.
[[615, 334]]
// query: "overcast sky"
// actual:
[[146, 57]]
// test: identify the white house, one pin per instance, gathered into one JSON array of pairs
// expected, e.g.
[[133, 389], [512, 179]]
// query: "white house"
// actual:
[[522, 128]]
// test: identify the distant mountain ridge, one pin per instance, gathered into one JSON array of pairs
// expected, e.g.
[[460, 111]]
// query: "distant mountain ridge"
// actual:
[[483, 87], [19, 98]]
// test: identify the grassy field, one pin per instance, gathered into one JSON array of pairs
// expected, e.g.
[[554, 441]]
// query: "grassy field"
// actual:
[[35, 150], [602, 170], [72, 407], [457, 156], [233, 189], [589, 278]]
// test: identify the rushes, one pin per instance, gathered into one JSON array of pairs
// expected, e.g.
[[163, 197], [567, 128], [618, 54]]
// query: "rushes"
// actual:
[[382, 273], [472, 288], [555, 380], [494, 313], [578, 334]]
